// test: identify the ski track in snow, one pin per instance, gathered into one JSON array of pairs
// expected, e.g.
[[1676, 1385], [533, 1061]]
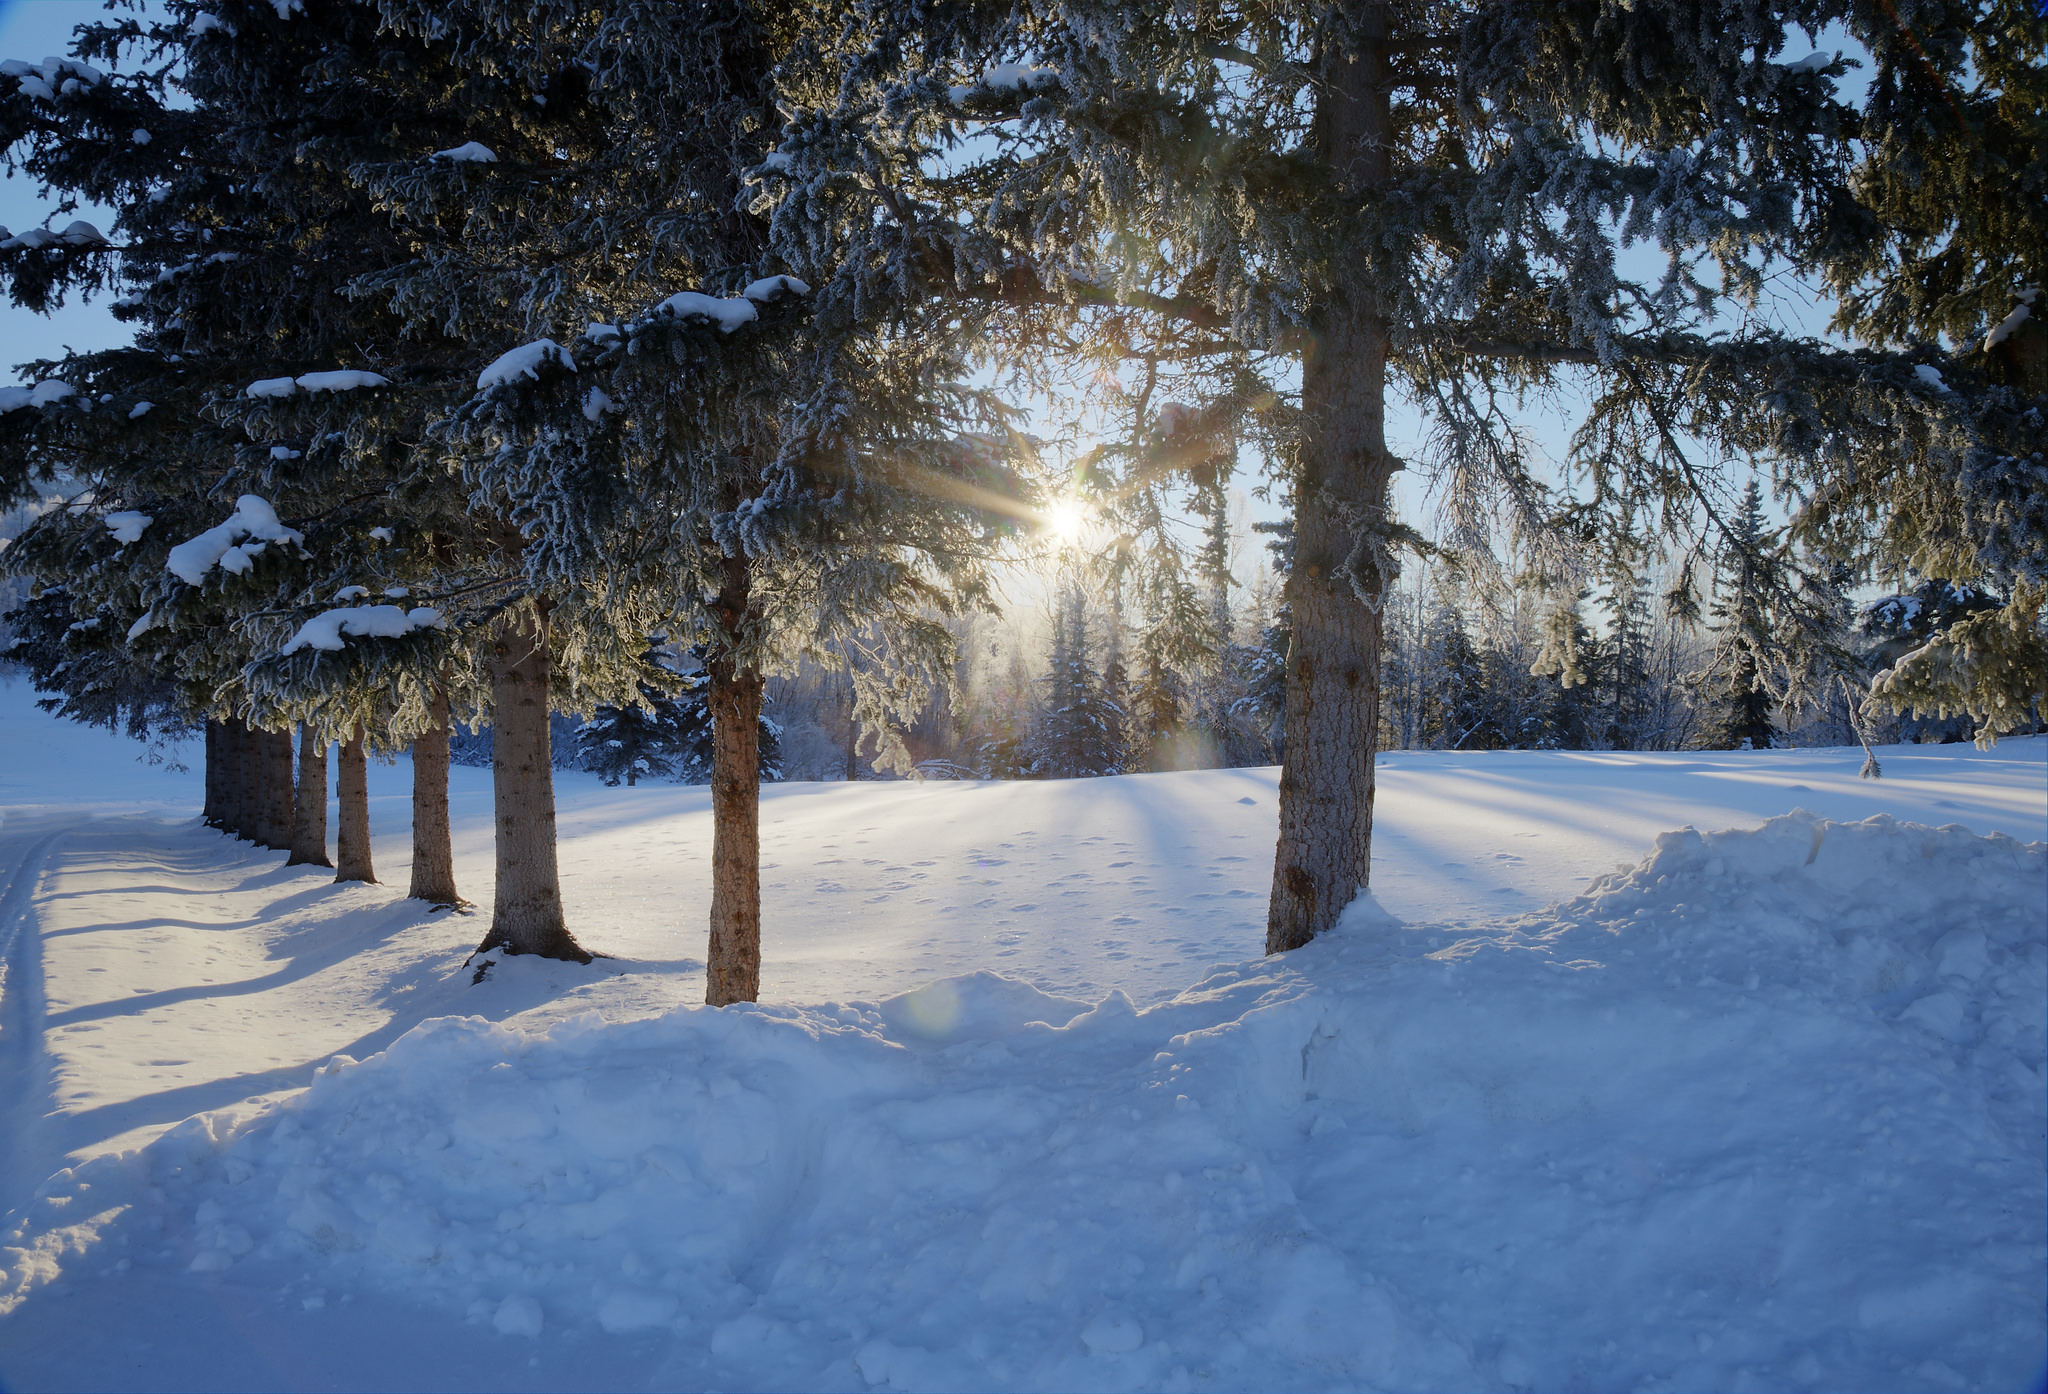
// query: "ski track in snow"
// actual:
[[154, 971]]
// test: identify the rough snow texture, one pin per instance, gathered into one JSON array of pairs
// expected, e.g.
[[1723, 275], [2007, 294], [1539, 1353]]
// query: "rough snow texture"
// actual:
[[1764, 1111], [327, 631], [127, 526], [232, 545], [523, 362], [469, 152]]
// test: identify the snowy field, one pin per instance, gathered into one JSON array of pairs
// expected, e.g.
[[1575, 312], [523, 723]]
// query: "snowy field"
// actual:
[[1575, 1102]]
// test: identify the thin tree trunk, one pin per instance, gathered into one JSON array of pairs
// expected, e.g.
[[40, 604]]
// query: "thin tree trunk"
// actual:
[[733, 964], [352, 838], [433, 852], [309, 810], [1343, 565], [214, 813], [526, 902], [276, 756]]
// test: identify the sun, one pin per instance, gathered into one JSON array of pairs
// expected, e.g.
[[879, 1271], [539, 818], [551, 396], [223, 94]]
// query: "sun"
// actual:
[[1065, 519]]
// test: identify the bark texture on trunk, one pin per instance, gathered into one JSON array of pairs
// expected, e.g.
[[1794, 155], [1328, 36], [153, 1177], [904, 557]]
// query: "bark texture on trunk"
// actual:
[[433, 852], [526, 902], [1342, 564], [352, 838], [278, 795], [214, 815], [309, 803], [733, 963], [248, 782]]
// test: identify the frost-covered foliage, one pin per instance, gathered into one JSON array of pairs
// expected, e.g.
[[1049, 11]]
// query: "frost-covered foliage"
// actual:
[[1197, 193]]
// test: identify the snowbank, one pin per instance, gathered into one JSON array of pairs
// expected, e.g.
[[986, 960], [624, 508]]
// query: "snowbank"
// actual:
[[1765, 1111]]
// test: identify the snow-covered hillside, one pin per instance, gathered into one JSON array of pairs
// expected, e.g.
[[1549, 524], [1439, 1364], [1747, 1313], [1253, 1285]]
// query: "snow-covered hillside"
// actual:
[[1567, 1104]]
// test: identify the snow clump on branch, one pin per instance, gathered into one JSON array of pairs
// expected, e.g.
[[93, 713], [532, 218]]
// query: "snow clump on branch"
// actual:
[[342, 380], [326, 631], [41, 395], [523, 362], [469, 152], [127, 525], [233, 545]]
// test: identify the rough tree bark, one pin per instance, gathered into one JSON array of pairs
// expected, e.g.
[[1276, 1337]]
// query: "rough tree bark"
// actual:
[[1334, 589], [352, 838], [433, 852], [276, 747], [309, 803], [214, 815], [526, 903], [248, 798], [733, 963]]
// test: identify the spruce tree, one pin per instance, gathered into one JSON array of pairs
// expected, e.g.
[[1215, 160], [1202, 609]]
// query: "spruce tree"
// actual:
[[1411, 195], [1739, 684]]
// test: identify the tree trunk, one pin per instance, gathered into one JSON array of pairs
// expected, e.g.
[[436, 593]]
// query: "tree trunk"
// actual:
[[309, 808], [214, 815], [277, 789], [733, 964], [1343, 564], [526, 901], [248, 782], [433, 852], [352, 838]]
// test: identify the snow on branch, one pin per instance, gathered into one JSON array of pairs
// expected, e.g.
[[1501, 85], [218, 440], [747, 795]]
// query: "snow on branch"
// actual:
[[770, 289], [469, 152], [77, 234], [1006, 77], [127, 526], [53, 77], [523, 362], [233, 545], [41, 395], [340, 380], [2022, 312], [728, 315], [329, 630]]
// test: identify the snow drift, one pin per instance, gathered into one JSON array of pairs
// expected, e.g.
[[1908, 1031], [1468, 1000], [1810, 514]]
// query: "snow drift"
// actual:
[[1764, 1111]]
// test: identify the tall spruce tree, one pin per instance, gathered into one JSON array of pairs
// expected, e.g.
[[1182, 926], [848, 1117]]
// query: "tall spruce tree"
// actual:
[[1435, 198], [677, 434]]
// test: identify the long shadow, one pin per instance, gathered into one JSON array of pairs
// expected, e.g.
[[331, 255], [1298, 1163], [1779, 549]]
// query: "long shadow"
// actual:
[[94, 1125], [312, 960]]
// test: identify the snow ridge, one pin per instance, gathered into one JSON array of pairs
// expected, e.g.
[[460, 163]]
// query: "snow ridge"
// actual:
[[1316, 1170]]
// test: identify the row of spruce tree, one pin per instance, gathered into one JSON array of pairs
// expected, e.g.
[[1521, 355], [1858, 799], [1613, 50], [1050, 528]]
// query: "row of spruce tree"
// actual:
[[479, 341]]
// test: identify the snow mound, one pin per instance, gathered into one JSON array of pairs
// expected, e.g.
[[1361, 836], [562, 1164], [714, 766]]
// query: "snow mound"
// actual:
[[1765, 1111], [326, 631]]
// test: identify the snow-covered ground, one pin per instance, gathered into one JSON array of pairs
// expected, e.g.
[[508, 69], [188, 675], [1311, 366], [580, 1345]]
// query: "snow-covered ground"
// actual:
[[1568, 1104]]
